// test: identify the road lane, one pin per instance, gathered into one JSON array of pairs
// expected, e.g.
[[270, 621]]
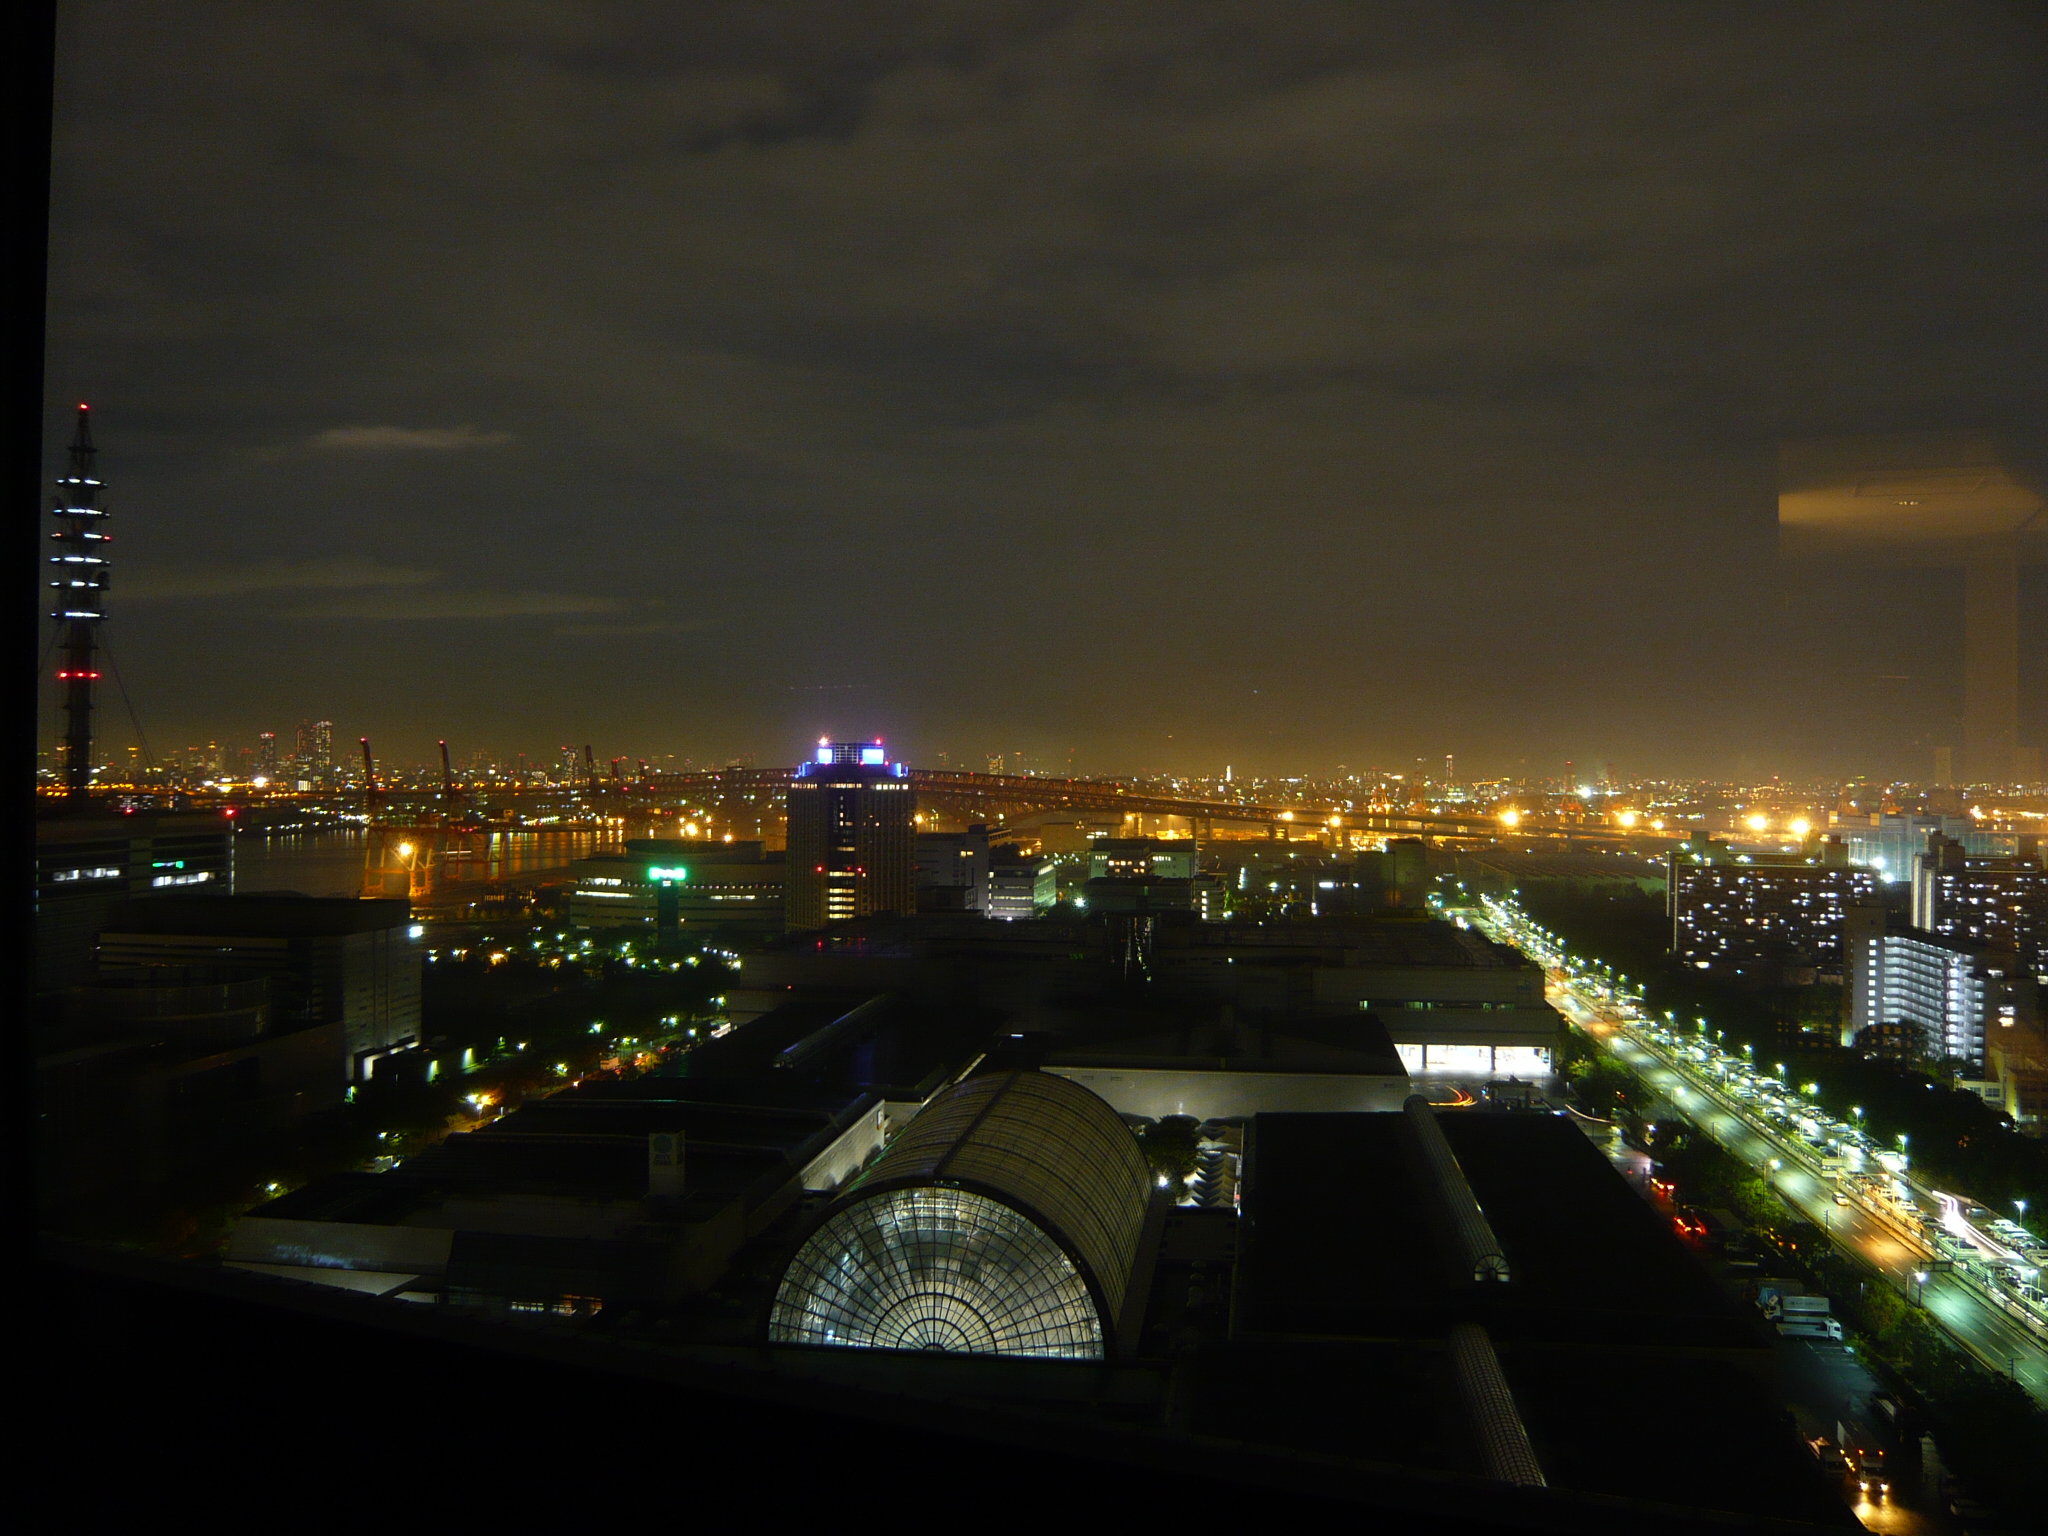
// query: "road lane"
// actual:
[[1890, 1248]]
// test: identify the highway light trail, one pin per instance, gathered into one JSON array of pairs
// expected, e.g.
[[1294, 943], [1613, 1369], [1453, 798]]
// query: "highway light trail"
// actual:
[[1977, 1275]]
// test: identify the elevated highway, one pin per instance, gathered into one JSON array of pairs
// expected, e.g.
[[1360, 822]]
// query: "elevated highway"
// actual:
[[1027, 794], [754, 795]]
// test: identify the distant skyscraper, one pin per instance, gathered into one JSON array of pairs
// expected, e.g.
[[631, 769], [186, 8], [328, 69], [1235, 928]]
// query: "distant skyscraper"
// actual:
[[852, 836], [315, 746], [266, 754]]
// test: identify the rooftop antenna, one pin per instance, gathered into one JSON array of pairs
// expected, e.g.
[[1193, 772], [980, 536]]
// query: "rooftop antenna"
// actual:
[[81, 584]]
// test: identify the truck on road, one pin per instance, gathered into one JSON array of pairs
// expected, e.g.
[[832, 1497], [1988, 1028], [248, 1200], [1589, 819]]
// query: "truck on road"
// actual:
[[1798, 1316]]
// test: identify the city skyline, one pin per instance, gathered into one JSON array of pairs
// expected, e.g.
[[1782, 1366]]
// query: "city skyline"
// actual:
[[1468, 444]]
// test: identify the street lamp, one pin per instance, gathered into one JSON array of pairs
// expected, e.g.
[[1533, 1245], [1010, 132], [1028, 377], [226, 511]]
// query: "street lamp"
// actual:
[[1920, 1287]]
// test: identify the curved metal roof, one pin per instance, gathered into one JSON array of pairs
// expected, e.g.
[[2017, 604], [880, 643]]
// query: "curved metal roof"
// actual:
[[1044, 1144], [1040, 1146]]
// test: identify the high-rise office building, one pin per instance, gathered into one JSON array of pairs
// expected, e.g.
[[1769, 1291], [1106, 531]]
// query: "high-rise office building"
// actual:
[[266, 754], [852, 836]]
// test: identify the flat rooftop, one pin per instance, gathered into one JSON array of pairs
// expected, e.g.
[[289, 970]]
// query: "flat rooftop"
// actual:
[[1357, 1044], [1360, 940], [844, 1040], [268, 915], [740, 1140], [1338, 1241]]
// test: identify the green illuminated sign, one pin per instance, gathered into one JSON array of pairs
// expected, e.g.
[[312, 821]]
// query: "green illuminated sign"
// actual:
[[663, 876]]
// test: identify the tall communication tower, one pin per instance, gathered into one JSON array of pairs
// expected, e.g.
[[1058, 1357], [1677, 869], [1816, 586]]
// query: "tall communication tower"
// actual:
[[81, 585]]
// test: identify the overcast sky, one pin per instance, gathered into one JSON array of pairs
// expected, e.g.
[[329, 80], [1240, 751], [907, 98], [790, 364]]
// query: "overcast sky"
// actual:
[[1143, 386]]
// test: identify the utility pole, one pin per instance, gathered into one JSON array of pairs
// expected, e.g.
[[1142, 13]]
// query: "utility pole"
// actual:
[[81, 583]]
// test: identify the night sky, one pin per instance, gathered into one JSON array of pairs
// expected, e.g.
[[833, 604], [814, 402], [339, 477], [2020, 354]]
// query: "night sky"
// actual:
[[1146, 387]]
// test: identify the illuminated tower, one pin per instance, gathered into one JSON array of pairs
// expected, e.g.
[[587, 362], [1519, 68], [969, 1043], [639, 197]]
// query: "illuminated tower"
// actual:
[[852, 836], [81, 584]]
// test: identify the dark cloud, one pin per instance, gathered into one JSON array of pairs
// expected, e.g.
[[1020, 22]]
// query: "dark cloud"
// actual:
[[344, 572], [1066, 372], [405, 439], [472, 604]]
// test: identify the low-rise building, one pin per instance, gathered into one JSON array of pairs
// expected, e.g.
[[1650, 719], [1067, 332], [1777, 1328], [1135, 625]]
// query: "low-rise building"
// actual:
[[1228, 1067], [1887, 842], [86, 864], [952, 870], [1141, 858], [666, 884], [154, 1074], [1020, 885], [622, 1191], [1451, 999], [2016, 1060], [329, 960]]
